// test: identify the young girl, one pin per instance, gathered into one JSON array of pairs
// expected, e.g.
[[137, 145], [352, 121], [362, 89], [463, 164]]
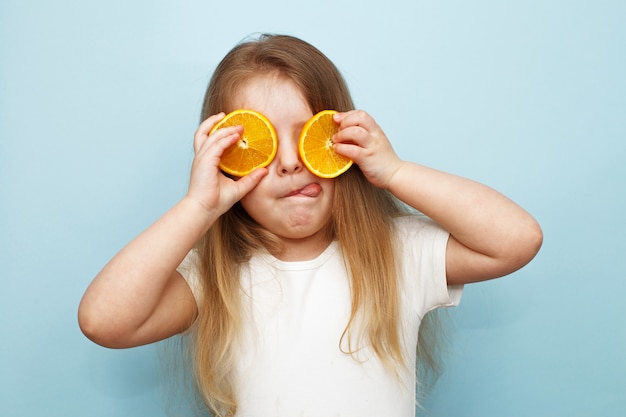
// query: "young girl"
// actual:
[[303, 296]]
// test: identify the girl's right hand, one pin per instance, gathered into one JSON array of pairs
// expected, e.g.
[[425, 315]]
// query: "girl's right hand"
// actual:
[[208, 186]]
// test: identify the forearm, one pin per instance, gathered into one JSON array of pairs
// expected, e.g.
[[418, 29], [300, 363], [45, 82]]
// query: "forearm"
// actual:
[[480, 218], [129, 288], [159, 249]]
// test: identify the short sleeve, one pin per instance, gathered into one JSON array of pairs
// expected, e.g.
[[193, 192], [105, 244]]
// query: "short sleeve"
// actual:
[[423, 246], [188, 268]]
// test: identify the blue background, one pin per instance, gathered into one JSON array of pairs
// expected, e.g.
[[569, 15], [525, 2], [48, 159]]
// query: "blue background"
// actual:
[[99, 102]]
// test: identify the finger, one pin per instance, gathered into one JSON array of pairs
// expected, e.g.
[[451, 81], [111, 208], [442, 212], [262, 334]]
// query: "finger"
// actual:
[[208, 124], [217, 142], [351, 134], [354, 118], [212, 149], [348, 150], [204, 128], [247, 183]]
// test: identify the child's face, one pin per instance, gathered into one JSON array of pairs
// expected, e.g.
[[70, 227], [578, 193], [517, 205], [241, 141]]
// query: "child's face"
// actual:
[[289, 201]]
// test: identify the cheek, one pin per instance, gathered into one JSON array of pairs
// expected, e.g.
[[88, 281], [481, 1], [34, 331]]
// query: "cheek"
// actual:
[[259, 203], [251, 203]]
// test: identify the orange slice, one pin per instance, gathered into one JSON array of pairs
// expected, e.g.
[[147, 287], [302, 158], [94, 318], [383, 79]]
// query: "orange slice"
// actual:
[[316, 146], [255, 149]]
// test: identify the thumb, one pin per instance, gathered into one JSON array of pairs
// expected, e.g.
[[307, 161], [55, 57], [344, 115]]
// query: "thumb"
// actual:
[[248, 182]]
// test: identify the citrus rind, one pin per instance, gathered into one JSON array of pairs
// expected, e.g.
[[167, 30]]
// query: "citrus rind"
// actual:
[[257, 146], [315, 146]]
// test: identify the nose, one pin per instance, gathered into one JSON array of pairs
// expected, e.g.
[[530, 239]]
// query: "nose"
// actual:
[[287, 158]]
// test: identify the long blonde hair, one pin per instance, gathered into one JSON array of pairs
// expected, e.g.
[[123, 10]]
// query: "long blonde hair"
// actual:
[[358, 208]]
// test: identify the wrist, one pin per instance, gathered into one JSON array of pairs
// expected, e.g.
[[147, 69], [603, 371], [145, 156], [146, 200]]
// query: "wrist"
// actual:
[[197, 215], [395, 177]]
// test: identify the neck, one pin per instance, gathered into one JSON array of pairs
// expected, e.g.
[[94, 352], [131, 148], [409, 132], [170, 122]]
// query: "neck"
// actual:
[[295, 250]]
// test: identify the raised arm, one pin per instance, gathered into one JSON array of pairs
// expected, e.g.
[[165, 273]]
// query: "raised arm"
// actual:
[[491, 236], [138, 297]]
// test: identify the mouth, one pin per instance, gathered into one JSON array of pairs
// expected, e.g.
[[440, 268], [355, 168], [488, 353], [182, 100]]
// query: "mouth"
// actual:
[[311, 190]]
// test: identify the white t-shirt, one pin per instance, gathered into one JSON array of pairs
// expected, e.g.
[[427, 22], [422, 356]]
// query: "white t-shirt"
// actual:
[[291, 362]]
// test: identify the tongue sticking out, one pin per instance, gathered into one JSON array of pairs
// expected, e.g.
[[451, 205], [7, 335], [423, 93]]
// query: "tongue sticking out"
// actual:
[[311, 190]]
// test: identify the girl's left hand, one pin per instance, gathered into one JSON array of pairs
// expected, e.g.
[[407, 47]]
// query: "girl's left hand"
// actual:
[[362, 140]]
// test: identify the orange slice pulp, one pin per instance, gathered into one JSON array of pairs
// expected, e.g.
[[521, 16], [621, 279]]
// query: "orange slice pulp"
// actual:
[[316, 146], [255, 149]]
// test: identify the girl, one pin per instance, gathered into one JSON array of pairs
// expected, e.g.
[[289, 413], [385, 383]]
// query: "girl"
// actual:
[[303, 296]]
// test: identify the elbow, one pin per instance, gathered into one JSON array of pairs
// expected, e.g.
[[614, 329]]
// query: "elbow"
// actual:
[[92, 327], [95, 325], [534, 240], [526, 246]]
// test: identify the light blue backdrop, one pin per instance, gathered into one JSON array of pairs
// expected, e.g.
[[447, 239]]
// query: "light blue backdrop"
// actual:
[[98, 104]]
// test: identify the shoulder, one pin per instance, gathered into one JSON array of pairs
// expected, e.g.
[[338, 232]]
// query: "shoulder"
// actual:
[[188, 268], [422, 245]]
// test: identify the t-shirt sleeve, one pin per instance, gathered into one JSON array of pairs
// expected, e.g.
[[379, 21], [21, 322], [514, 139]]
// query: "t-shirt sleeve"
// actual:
[[188, 268], [424, 244]]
